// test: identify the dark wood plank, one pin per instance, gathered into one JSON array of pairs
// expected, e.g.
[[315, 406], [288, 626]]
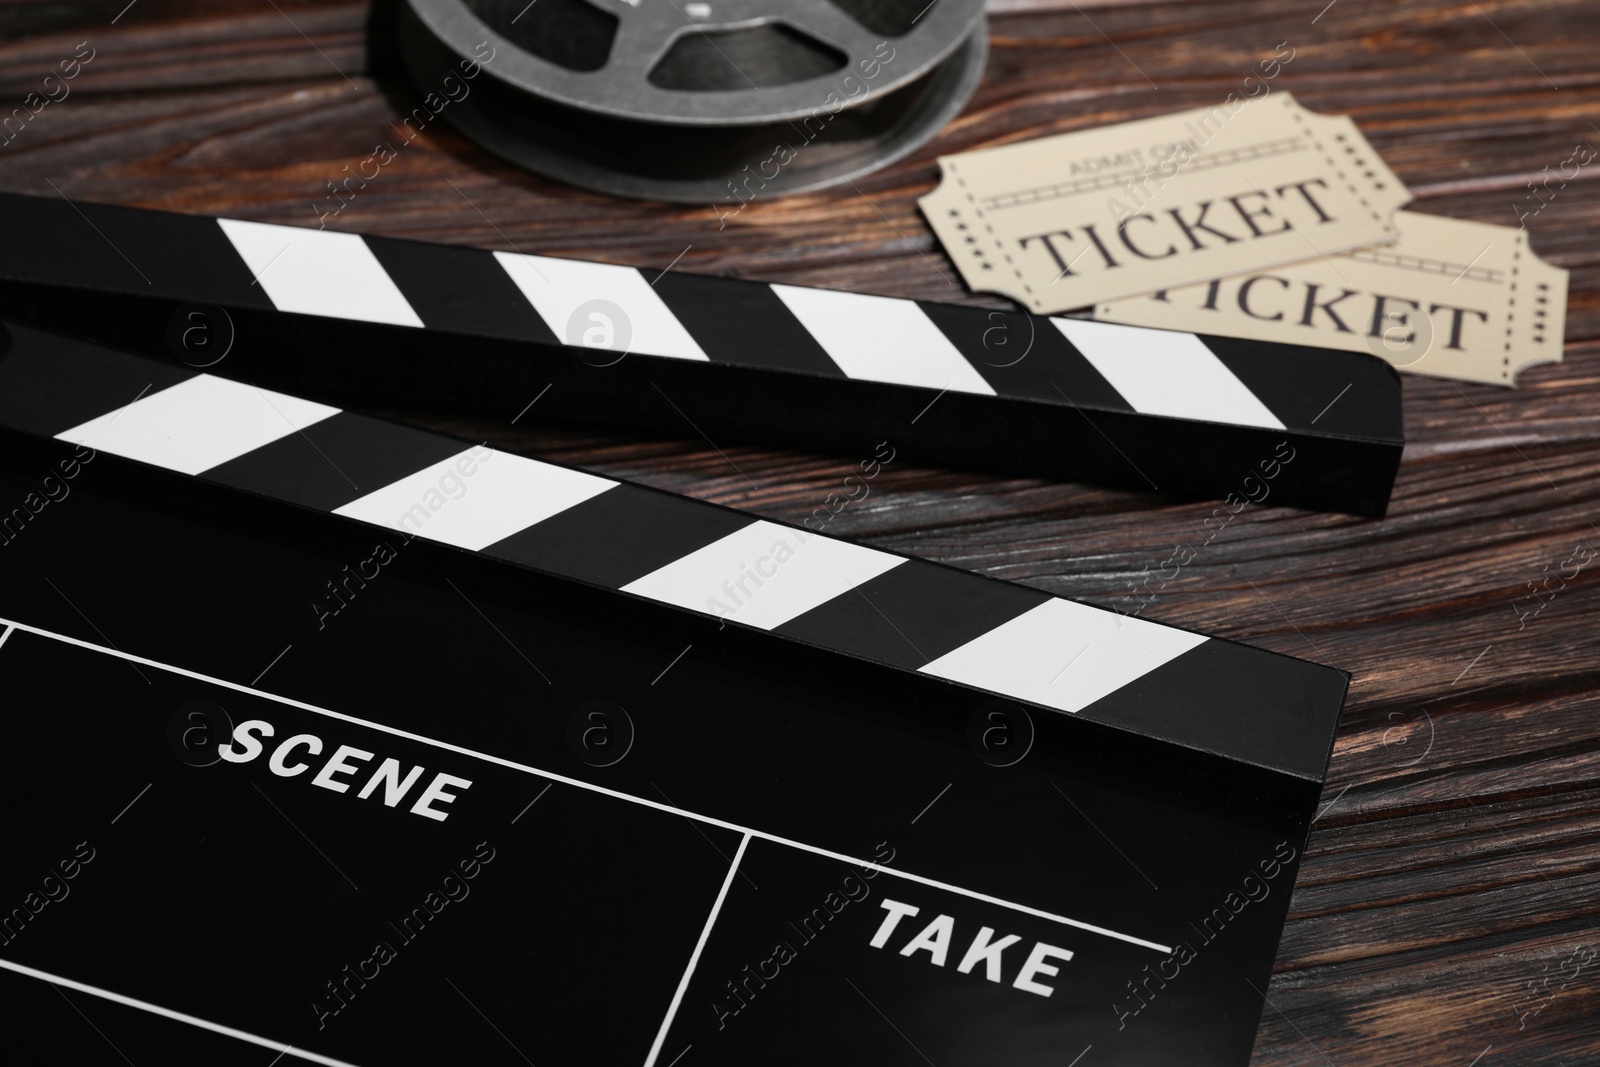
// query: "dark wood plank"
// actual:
[[1451, 874]]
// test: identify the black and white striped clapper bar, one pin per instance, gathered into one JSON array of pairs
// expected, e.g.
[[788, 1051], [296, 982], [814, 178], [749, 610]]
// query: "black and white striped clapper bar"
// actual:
[[368, 745], [343, 316]]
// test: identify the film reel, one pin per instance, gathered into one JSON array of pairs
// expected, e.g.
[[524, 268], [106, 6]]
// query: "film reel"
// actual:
[[701, 101]]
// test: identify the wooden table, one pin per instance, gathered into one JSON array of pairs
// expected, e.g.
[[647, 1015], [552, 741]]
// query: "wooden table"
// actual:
[[1447, 906]]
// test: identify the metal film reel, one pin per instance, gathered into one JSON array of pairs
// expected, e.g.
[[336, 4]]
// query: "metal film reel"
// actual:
[[701, 101]]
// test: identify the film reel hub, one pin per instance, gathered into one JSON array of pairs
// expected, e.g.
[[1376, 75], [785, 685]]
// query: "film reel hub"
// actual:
[[690, 101]]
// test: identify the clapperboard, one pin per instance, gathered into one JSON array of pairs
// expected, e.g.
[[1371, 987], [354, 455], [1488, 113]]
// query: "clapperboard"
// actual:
[[363, 318], [367, 745]]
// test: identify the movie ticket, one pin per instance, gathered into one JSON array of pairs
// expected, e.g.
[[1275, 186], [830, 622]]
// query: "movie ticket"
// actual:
[[1450, 299], [1072, 221]]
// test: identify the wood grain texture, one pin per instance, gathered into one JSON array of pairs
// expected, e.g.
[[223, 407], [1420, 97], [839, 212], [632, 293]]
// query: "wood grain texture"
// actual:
[[1452, 874]]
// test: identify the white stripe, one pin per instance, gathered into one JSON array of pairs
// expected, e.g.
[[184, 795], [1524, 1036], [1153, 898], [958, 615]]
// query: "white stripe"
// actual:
[[475, 498], [764, 574], [558, 289], [1164, 372], [882, 339], [1063, 654], [319, 272], [197, 424], [445, 746], [178, 1016], [694, 957]]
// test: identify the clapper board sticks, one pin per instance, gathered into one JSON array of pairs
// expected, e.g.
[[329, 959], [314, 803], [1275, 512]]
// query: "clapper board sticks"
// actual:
[[344, 316], [368, 745]]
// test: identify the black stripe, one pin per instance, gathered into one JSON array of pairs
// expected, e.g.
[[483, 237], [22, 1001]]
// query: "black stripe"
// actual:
[[1024, 357], [147, 253], [1299, 384], [741, 322], [619, 536], [462, 290], [335, 461], [912, 614], [1241, 702], [50, 383]]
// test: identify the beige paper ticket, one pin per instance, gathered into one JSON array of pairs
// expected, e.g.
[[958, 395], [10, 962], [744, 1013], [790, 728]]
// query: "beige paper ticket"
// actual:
[[1450, 298], [1071, 221]]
